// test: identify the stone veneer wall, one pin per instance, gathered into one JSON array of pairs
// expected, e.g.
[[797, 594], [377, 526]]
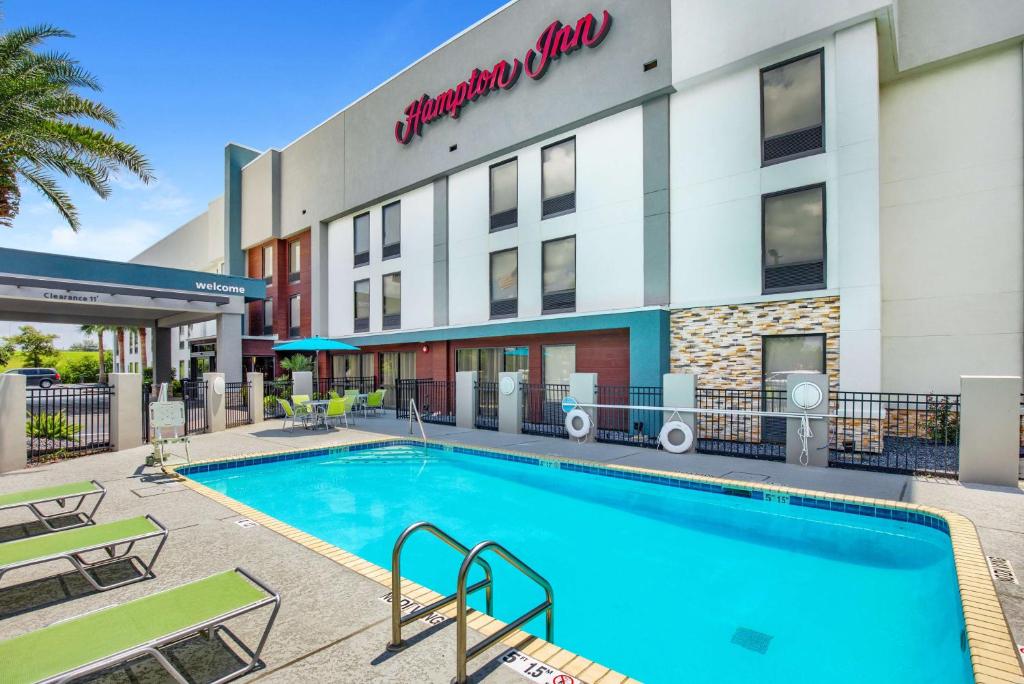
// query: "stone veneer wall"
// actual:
[[722, 344]]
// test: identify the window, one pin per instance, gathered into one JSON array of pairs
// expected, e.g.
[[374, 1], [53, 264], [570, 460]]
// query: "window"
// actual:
[[353, 366], [559, 363], [361, 306], [793, 109], [268, 263], [181, 369], [361, 239], [490, 361], [793, 239], [392, 288], [294, 261], [559, 280], [294, 310], [392, 217], [504, 195], [785, 354], [558, 178], [268, 316], [504, 283]]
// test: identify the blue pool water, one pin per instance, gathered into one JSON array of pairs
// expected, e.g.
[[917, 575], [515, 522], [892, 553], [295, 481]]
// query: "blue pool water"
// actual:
[[660, 583]]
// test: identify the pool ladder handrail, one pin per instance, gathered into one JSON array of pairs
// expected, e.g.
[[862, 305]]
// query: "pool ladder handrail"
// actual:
[[397, 619], [413, 411], [464, 652]]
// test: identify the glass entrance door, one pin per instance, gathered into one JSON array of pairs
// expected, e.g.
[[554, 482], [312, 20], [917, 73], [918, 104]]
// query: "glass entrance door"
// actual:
[[395, 366]]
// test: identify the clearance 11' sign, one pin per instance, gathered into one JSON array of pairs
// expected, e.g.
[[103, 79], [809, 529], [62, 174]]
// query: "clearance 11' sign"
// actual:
[[556, 40]]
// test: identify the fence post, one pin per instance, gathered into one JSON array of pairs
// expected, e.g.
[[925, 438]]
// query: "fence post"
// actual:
[[583, 388], [510, 402], [255, 381], [465, 398], [679, 390], [125, 414], [989, 429], [216, 416], [817, 444], [13, 447], [302, 383]]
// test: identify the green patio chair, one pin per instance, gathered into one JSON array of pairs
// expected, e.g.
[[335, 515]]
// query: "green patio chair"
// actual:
[[48, 504], [375, 400], [338, 410], [300, 414], [351, 392], [300, 399], [105, 638], [333, 394], [88, 549]]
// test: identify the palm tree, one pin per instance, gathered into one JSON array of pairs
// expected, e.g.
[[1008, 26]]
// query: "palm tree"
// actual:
[[296, 363], [45, 126], [98, 331], [143, 350], [120, 365]]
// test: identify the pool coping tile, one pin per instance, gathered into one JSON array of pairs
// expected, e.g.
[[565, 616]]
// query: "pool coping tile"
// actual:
[[987, 632]]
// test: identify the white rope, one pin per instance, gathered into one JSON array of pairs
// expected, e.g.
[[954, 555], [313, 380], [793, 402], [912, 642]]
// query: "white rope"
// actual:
[[804, 431]]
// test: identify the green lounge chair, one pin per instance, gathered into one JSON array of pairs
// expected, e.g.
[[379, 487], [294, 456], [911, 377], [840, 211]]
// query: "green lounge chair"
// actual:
[[375, 400], [338, 409], [299, 414], [77, 546], [105, 638], [299, 399], [38, 502]]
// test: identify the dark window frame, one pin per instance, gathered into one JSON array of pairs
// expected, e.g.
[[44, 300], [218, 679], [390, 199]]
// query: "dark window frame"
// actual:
[[294, 330], [824, 240], [263, 262], [543, 294], [494, 228], [390, 321], [268, 329], [490, 286], [575, 184], [387, 253], [764, 355], [760, 85], [360, 324], [360, 258], [294, 270]]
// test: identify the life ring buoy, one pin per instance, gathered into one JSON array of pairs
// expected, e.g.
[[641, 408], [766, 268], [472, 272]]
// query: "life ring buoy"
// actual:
[[577, 423], [676, 437]]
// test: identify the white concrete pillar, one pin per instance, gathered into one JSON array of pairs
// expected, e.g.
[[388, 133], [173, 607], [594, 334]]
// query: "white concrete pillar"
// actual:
[[817, 444], [255, 381], [13, 447], [989, 429], [510, 402], [679, 390], [216, 401], [125, 411], [583, 388], [302, 383], [465, 398], [229, 346]]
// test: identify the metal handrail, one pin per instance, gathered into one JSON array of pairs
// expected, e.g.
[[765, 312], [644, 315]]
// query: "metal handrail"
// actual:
[[413, 411], [463, 652], [397, 619]]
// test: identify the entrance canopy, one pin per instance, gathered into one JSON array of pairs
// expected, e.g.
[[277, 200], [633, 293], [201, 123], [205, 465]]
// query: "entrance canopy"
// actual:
[[56, 288]]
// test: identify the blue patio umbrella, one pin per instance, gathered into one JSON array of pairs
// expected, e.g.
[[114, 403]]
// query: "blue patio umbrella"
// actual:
[[314, 344]]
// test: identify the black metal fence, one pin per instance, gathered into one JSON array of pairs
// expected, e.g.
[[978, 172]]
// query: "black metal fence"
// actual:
[[542, 409], [324, 386], [272, 391], [748, 436], [147, 398], [193, 393], [486, 406], [236, 404], [639, 426], [895, 432], [435, 400], [67, 421]]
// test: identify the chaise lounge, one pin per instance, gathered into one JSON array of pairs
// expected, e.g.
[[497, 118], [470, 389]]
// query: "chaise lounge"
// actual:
[[38, 502], [105, 638], [111, 542]]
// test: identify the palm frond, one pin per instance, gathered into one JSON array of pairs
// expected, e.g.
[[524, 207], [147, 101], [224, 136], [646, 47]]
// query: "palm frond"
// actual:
[[53, 192]]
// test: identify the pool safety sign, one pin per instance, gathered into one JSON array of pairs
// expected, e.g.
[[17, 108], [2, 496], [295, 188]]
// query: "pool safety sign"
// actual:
[[513, 658]]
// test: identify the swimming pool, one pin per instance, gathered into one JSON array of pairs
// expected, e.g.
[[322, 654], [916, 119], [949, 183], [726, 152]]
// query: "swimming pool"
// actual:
[[693, 582]]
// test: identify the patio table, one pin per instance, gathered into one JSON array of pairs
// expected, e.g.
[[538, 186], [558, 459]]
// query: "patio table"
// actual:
[[319, 409]]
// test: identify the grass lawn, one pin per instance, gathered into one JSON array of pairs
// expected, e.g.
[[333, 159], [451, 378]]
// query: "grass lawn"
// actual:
[[62, 356]]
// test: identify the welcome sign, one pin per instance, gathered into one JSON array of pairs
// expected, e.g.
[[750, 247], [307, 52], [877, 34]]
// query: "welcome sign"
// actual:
[[555, 41]]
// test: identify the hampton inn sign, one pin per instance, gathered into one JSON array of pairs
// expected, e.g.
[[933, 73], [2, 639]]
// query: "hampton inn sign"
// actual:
[[556, 40]]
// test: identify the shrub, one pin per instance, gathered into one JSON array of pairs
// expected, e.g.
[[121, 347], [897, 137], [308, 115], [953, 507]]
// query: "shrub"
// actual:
[[51, 426], [943, 423], [85, 368]]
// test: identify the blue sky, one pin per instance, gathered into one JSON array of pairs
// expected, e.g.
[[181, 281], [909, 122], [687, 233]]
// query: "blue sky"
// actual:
[[188, 76]]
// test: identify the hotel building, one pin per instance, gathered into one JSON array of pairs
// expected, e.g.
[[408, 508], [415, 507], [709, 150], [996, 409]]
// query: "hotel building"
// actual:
[[734, 189]]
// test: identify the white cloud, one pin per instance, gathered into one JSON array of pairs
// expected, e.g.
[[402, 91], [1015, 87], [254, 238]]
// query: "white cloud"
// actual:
[[117, 243]]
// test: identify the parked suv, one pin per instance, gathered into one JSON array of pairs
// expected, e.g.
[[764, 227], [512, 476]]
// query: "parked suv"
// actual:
[[44, 378]]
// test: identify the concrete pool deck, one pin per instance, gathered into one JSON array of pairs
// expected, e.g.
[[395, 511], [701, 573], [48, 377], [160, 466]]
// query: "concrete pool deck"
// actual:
[[333, 625]]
